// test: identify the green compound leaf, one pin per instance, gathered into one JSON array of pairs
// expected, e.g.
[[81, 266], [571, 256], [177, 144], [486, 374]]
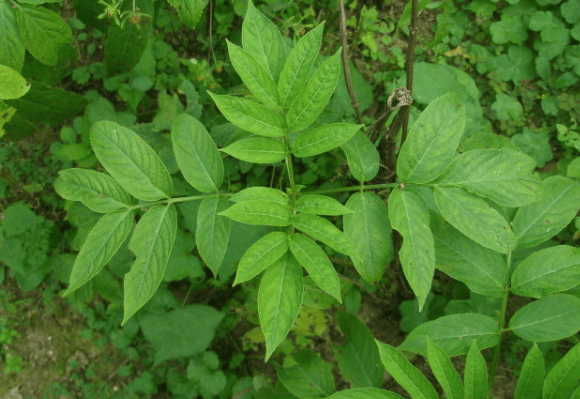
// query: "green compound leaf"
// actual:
[[432, 140], [453, 334], [316, 262], [263, 41], [250, 116], [311, 377], [259, 213], [298, 65], [507, 108], [42, 31], [257, 150], [541, 220], [407, 375], [322, 139], [504, 176], [475, 218], [563, 378], [536, 145], [152, 242], [362, 156], [551, 318], [475, 374], [358, 357], [279, 300], [509, 29], [11, 48], [547, 271], [260, 255], [365, 393], [368, 227], [258, 79], [102, 243], [131, 161], [532, 375], [12, 84], [196, 154], [410, 217], [320, 205], [261, 194], [315, 95], [323, 230], [212, 232], [444, 371], [97, 191]]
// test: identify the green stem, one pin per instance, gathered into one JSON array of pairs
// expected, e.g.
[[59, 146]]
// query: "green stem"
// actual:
[[352, 188], [176, 200]]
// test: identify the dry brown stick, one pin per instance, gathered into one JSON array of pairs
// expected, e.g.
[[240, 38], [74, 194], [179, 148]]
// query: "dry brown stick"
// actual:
[[345, 65]]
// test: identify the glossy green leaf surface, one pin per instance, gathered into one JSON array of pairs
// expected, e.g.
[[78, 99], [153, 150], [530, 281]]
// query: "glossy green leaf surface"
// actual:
[[261, 254], [131, 161], [11, 47], [563, 377], [259, 213], [362, 156], [311, 377], [152, 242], [323, 230], [532, 375], [261, 194], [365, 393], [212, 232], [444, 371], [323, 138], [475, 374], [320, 205], [257, 150]]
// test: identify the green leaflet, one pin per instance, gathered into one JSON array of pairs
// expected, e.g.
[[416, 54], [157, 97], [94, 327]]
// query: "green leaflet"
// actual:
[[432, 140], [250, 116], [259, 213], [102, 243], [42, 31], [362, 156], [11, 47], [364, 393], [475, 218], [311, 377], [279, 300], [547, 271], [298, 65], [131, 161], [97, 191], [261, 194], [320, 205], [410, 217], [407, 375], [563, 378], [545, 218], [444, 371], [532, 375], [12, 85], [323, 230], [316, 262], [368, 227], [315, 95], [257, 150], [212, 232], [258, 79], [551, 318], [196, 154], [263, 41], [125, 46], [475, 374], [504, 176], [260, 255], [189, 11], [152, 242], [323, 138]]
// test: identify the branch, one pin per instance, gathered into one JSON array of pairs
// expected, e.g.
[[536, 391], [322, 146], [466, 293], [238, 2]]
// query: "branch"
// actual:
[[349, 87], [410, 63]]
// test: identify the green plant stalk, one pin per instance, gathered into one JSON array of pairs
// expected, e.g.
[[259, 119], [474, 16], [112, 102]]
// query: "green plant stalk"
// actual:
[[353, 188]]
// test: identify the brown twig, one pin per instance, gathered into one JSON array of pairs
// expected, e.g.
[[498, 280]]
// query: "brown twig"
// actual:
[[410, 63], [345, 64]]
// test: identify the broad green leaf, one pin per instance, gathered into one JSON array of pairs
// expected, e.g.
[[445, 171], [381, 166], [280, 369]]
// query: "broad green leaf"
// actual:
[[551, 318], [125, 47], [311, 377], [322, 230], [12, 84], [263, 41], [103, 242], [484, 271], [189, 11], [259, 212], [11, 47], [315, 95], [260, 255], [258, 79], [454, 334], [541, 220], [563, 378], [250, 116], [358, 357], [131, 161], [532, 375], [320, 205], [257, 150], [365, 393], [410, 217], [368, 227], [547, 271], [407, 375], [316, 262], [97, 191], [323, 138], [503, 176], [475, 218], [42, 31], [279, 300], [444, 371], [152, 242], [362, 156], [475, 374], [298, 65], [196, 154], [432, 140], [212, 232], [261, 194]]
